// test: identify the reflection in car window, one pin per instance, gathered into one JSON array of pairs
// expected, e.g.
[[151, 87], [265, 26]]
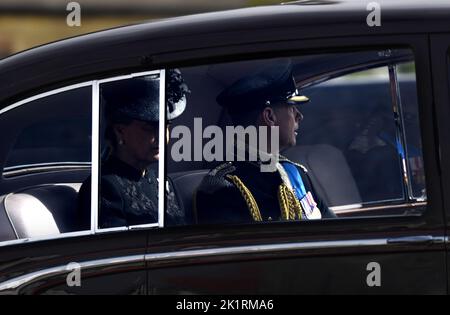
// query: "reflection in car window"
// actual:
[[342, 146], [49, 157]]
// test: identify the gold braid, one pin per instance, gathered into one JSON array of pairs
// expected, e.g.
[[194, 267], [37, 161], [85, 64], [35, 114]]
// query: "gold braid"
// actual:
[[248, 197], [283, 200], [289, 204]]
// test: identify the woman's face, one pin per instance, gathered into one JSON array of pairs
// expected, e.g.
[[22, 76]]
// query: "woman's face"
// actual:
[[138, 142]]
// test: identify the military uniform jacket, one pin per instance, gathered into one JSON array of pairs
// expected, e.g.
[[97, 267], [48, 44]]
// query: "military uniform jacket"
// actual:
[[238, 192]]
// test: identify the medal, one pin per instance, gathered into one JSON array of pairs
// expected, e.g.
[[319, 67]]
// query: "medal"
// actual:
[[309, 205]]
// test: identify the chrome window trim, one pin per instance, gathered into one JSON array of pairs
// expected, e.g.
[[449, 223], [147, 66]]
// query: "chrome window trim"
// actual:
[[37, 169], [95, 157], [50, 164], [45, 238], [400, 130], [15, 106], [46, 94], [162, 147], [96, 161], [16, 283], [128, 76], [94, 84], [345, 209], [186, 254], [127, 228]]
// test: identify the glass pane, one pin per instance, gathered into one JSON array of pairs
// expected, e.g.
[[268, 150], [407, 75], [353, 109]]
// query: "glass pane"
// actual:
[[336, 144], [55, 138], [48, 157], [130, 147], [353, 114]]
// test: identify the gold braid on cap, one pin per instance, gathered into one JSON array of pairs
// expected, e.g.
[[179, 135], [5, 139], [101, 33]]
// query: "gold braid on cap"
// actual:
[[289, 204], [248, 197]]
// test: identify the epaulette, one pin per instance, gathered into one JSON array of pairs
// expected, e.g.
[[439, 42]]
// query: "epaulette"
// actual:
[[222, 170], [217, 179], [302, 167], [285, 159]]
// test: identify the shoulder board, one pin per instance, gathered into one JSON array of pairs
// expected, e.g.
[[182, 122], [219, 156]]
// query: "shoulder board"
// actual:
[[222, 169], [285, 159], [302, 167]]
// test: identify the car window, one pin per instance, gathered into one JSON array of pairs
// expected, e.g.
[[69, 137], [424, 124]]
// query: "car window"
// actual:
[[349, 139], [130, 150], [50, 136], [46, 143], [348, 135]]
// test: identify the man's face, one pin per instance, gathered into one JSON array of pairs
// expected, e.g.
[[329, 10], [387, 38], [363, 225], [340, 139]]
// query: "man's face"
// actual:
[[288, 120]]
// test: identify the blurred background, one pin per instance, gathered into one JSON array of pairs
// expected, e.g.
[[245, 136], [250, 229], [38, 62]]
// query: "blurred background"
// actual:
[[28, 23]]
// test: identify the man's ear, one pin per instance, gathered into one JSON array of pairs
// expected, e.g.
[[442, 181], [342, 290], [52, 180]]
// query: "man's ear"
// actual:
[[268, 117]]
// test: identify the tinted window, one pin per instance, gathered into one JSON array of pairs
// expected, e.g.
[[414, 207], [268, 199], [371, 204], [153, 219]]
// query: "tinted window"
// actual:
[[53, 130], [130, 150], [358, 138], [46, 153], [352, 117]]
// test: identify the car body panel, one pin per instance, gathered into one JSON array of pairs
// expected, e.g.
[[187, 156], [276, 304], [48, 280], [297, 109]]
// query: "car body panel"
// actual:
[[36, 269]]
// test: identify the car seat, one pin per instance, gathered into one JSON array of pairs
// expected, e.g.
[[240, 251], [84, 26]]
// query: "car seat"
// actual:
[[329, 172], [43, 210]]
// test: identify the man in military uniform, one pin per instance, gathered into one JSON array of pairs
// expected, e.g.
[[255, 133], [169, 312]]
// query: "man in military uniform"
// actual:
[[238, 191]]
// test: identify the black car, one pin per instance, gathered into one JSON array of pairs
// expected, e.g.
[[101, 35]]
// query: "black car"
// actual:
[[374, 139]]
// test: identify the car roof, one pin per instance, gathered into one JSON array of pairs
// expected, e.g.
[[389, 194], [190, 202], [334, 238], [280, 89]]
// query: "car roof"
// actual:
[[79, 58]]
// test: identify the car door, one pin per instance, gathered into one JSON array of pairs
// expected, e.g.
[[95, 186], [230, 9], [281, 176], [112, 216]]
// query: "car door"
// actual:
[[439, 50], [384, 251], [47, 149]]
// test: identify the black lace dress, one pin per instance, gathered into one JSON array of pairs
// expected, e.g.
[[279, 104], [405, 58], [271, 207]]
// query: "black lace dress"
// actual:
[[128, 197]]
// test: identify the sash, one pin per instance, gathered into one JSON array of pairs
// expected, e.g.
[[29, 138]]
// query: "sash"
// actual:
[[306, 199]]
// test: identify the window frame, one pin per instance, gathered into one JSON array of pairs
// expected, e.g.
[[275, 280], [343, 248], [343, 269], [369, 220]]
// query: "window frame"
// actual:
[[95, 156], [178, 59], [96, 167], [414, 206], [25, 102]]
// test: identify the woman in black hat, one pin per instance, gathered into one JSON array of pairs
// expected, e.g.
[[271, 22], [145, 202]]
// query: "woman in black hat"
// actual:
[[129, 171]]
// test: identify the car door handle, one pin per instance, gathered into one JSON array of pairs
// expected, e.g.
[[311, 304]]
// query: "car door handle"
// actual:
[[416, 240]]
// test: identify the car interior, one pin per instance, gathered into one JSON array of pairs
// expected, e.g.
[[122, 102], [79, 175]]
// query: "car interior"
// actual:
[[46, 156], [41, 179]]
